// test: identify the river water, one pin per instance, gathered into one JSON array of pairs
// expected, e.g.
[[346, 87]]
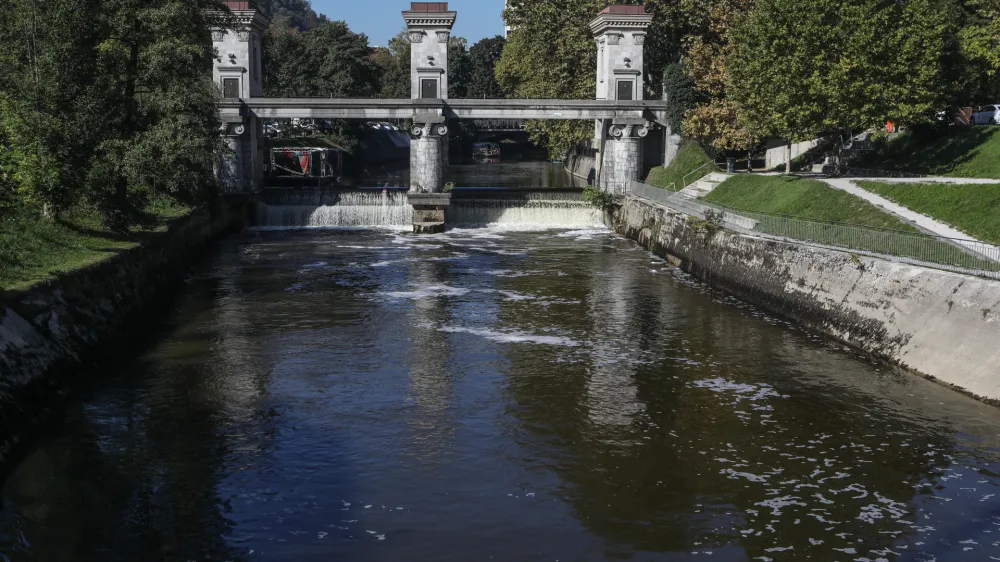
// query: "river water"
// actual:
[[495, 394]]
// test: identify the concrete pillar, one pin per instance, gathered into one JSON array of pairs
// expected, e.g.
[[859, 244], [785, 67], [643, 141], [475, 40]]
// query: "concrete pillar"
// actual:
[[238, 74], [427, 150], [619, 34], [428, 26], [623, 157]]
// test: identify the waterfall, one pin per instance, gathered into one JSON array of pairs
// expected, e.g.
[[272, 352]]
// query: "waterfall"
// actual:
[[330, 208], [299, 208], [540, 208]]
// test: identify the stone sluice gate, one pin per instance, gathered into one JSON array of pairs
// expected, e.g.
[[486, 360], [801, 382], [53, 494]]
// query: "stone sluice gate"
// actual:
[[622, 118]]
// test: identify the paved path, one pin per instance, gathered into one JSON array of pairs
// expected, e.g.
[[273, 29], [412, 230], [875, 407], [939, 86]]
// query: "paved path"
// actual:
[[938, 179], [922, 222]]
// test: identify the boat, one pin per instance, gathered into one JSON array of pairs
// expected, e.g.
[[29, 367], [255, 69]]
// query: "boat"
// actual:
[[305, 166], [486, 150]]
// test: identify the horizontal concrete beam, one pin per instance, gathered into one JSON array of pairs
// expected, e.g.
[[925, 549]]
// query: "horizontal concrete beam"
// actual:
[[373, 109]]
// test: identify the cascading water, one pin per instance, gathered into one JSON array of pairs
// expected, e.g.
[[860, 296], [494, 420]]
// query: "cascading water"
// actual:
[[552, 208], [543, 208], [329, 208]]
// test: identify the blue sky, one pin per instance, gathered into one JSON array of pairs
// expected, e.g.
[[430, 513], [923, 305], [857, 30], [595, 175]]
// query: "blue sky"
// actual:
[[381, 19]]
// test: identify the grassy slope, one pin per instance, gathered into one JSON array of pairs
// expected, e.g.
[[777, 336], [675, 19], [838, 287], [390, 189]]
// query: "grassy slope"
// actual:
[[969, 152], [689, 158], [33, 249], [784, 195], [973, 209]]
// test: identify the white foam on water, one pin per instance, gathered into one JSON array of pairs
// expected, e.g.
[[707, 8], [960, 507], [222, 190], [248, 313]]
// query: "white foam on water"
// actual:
[[427, 291], [511, 337]]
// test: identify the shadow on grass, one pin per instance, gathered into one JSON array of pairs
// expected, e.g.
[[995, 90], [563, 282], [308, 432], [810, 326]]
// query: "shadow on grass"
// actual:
[[939, 151]]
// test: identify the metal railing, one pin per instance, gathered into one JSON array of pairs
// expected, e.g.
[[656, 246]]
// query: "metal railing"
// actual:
[[695, 171], [952, 254]]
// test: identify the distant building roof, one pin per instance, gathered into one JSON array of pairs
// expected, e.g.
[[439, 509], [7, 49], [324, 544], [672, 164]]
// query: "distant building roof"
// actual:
[[625, 9]]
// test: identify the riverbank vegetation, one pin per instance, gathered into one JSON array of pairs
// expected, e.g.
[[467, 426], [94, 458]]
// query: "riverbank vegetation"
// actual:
[[973, 209], [801, 197], [34, 249], [690, 158], [963, 152]]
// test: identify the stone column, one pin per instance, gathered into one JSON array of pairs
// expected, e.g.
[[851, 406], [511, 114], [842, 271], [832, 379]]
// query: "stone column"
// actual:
[[623, 157], [426, 160], [234, 169]]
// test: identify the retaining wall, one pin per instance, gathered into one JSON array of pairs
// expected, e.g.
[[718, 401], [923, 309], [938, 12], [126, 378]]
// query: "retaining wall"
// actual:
[[942, 325], [53, 332], [581, 166]]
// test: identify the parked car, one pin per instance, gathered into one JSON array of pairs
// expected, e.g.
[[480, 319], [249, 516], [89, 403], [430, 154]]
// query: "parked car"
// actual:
[[987, 115]]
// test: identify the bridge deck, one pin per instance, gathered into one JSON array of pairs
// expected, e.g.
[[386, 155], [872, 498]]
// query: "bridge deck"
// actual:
[[438, 110]]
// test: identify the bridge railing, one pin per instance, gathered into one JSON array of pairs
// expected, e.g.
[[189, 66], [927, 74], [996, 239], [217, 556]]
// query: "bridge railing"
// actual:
[[951, 254]]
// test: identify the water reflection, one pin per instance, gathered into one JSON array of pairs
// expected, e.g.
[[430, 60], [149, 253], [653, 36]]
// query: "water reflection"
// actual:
[[538, 395]]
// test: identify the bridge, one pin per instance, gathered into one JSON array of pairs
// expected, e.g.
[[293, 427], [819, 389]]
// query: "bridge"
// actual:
[[620, 114]]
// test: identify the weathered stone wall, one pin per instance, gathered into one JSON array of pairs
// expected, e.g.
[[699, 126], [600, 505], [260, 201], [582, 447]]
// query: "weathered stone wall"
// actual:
[[622, 163], [942, 325], [50, 334], [426, 163], [581, 166]]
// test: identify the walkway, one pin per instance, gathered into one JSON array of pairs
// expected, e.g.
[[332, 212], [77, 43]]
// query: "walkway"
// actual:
[[922, 222]]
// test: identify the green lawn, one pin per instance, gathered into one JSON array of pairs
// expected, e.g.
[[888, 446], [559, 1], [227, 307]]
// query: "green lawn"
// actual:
[[34, 249], [806, 198], [963, 152], [784, 197], [689, 158], [973, 209]]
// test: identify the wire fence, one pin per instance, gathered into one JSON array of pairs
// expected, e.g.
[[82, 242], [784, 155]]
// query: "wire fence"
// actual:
[[963, 256]]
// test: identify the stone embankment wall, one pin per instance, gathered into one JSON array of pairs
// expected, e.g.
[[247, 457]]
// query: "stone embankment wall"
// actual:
[[581, 166], [942, 325], [53, 332]]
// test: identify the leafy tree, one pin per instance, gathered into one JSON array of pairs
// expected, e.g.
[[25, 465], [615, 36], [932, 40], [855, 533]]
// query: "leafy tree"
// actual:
[[393, 64], [291, 14], [551, 54], [153, 106], [459, 67], [484, 56], [327, 61], [678, 89], [801, 68], [46, 67], [980, 47]]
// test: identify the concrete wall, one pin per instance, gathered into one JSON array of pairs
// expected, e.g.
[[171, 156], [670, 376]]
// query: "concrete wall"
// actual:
[[775, 155], [50, 334], [942, 325], [581, 167]]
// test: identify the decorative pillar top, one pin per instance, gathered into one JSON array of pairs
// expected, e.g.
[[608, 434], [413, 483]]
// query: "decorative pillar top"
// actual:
[[620, 33], [428, 27], [236, 36], [429, 14]]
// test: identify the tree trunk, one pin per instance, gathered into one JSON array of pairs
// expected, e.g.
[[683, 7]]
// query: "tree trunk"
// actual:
[[788, 158]]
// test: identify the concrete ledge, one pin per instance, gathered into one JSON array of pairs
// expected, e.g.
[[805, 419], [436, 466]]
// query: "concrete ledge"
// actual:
[[941, 325], [429, 199]]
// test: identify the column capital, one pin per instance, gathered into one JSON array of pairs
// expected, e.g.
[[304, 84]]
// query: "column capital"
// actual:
[[628, 131], [429, 130]]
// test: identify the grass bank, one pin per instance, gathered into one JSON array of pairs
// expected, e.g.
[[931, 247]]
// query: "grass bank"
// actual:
[[973, 209], [963, 152], [801, 197], [34, 249], [689, 158]]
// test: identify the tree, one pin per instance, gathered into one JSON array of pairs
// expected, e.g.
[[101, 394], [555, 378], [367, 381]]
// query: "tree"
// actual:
[[483, 57], [459, 67], [47, 63], [153, 107], [393, 64], [327, 61], [802, 68], [980, 48], [551, 54]]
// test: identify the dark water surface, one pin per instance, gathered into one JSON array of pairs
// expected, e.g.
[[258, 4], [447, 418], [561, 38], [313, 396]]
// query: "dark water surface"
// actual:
[[496, 395], [503, 173]]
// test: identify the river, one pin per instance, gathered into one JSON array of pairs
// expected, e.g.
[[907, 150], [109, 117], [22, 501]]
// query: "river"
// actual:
[[495, 394]]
